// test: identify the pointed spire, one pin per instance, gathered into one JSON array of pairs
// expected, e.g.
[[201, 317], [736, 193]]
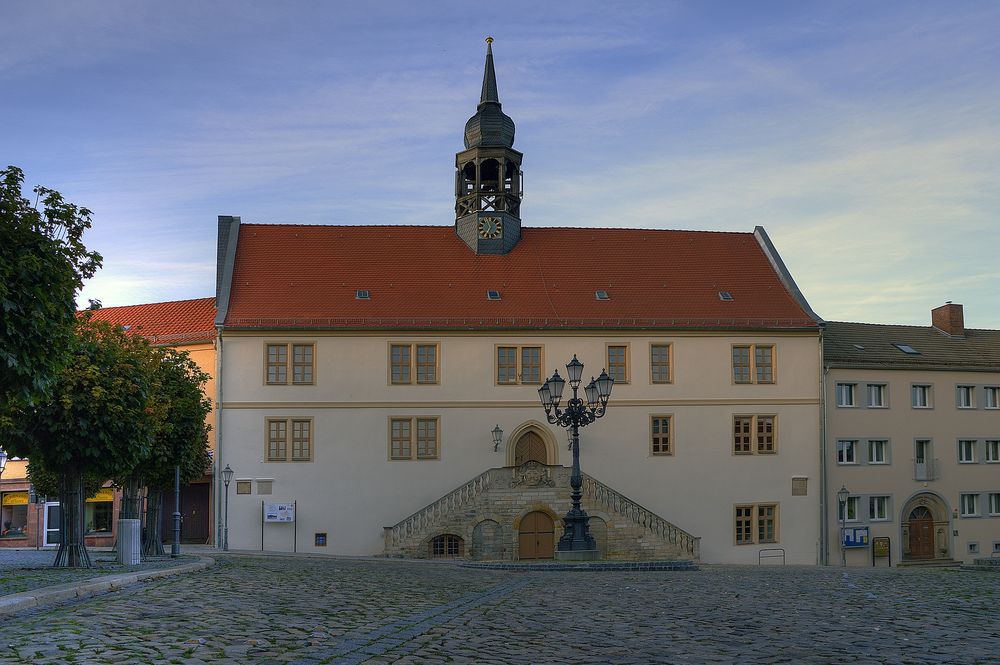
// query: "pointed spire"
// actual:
[[490, 93]]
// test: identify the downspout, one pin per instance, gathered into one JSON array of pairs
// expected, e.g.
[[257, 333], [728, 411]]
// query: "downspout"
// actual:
[[824, 544], [219, 486]]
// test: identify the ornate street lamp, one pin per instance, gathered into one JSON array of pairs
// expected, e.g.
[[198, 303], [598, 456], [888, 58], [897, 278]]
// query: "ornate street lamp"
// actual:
[[842, 496], [497, 438], [576, 541], [227, 477]]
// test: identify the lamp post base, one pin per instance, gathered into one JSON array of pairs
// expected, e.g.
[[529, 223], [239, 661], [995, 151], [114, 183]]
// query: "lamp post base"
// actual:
[[578, 555]]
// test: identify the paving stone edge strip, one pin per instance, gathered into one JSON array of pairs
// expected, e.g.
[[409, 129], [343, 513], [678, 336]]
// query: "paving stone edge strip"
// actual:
[[16, 602], [358, 646]]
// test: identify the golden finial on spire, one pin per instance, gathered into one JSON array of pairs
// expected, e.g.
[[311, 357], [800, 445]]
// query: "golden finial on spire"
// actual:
[[489, 40]]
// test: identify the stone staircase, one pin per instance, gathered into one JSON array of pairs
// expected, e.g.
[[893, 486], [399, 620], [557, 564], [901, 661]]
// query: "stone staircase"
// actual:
[[485, 513]]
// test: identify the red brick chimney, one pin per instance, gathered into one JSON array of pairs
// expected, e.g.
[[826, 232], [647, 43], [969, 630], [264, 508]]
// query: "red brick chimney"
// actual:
[[948, 318]]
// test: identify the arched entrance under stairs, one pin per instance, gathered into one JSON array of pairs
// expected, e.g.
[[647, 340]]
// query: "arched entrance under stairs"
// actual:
[[536, 537]]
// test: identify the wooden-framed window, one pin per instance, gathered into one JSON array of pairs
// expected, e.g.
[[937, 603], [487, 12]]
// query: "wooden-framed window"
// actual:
[[661, 434], [289, 363], [414, 438], [617, 355], [756, 523], [660, 365], [519, 365], [753, 363], [446, 546], [755, 435], [289, 440], [414, 363]]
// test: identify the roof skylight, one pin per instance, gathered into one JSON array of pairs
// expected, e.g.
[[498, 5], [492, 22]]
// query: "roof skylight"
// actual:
[[859, 347], [725, 295], [602, 295], [493, 295], [362, 294], [906, 348]]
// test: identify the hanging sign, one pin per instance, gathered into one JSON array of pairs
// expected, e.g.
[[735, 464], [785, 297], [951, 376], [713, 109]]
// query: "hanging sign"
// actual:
[[279, 512]]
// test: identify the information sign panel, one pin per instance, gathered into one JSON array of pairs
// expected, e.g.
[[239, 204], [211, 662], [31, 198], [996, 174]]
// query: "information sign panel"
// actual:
[[279, 512]]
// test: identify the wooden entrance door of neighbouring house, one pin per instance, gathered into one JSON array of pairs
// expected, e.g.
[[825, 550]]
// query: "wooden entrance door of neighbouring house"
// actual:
[[536, 537], [530, 448], [194, 514], [921, 527]]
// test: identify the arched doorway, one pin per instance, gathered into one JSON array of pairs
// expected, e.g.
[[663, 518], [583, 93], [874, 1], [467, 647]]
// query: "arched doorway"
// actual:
[[921, 527], [530, 448], [925, 527], [536, 537]]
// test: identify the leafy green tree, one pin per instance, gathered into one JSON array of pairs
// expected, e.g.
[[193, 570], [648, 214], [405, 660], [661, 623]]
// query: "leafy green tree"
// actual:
[[97, 420], [181, 437], [43, 263]]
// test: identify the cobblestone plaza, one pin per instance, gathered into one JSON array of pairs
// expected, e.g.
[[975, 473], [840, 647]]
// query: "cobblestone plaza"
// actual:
[[276, 609]]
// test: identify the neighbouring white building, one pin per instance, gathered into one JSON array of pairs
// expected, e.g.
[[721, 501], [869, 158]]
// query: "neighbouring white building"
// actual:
[[362, 369], [913, 436]]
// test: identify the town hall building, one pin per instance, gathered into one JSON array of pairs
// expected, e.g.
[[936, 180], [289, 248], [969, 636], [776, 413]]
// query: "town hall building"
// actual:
[[364, 369]]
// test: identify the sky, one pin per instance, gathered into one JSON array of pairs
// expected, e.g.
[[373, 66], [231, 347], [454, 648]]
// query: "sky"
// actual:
[[864, 137]]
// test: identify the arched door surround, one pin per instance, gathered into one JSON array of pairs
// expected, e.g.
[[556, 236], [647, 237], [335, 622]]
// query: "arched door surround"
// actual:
[[522, 448]]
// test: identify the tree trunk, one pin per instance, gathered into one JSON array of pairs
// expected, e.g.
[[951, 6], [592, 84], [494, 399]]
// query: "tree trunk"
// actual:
[[72, 551], [154, 520], [131, 499]]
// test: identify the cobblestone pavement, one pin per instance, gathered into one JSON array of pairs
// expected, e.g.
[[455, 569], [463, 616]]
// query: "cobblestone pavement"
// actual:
[[325, 610], [27, 570]]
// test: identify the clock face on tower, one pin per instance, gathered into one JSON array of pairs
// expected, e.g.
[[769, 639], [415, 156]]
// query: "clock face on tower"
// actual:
[[490, 227]]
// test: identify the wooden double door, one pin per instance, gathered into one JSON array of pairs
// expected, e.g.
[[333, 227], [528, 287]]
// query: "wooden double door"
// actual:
[[530, 448], [536, 537]]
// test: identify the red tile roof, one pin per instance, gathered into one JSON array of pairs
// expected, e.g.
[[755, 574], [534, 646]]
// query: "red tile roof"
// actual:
[[426, 277], [176, 322]]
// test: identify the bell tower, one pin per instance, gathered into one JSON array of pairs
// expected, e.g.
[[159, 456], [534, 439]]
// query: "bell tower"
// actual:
[[488, 175]]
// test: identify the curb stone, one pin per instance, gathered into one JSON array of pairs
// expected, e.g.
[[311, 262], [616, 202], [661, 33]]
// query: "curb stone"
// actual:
[[16, 602]]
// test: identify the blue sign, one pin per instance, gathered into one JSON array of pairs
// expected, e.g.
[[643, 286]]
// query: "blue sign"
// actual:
[[856, 537]]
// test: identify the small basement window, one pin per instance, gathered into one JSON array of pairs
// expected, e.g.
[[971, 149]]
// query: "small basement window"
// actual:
[[906, 348], [726, 296], [362, 294], [602, 295], [493, 295]]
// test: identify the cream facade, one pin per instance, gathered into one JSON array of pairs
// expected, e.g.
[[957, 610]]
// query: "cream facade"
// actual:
[[349, 485], [918, 449]]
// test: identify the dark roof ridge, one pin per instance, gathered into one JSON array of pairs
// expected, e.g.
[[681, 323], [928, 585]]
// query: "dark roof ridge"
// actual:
[[916, 327], [145, 304], [523, 230]]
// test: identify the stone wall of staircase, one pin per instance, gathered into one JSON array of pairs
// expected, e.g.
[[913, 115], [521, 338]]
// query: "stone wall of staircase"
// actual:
[[486, 511]]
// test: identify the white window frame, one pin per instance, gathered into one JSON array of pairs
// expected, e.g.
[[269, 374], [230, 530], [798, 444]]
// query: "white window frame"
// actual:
[[847, 394], [882, 392], [967, 501], [993, 504], [924, 389], [852, 502], [843, 445], [966, 451], [992, 451], [875, 501], [991, 397], [882, 444], [965, 397]]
